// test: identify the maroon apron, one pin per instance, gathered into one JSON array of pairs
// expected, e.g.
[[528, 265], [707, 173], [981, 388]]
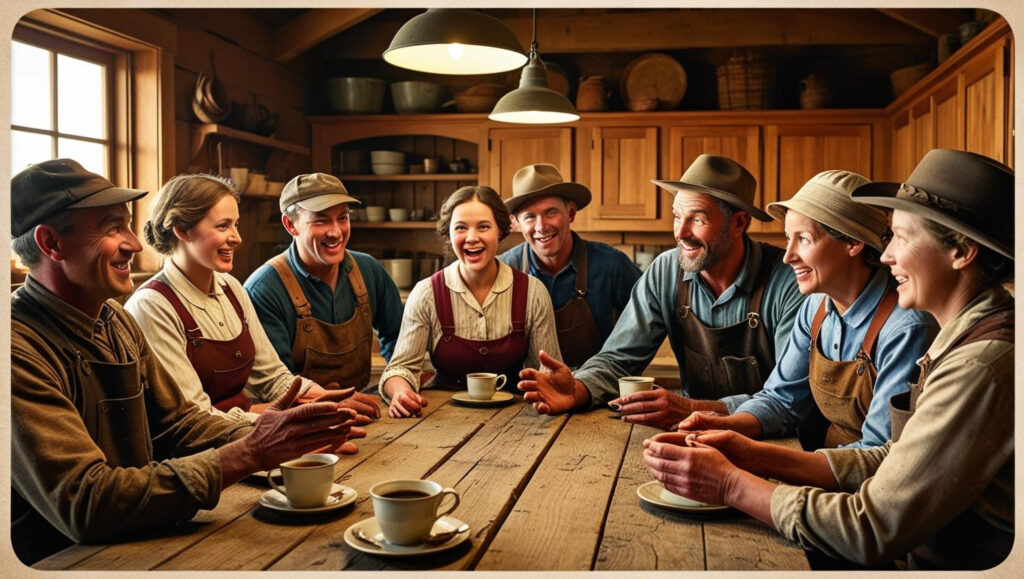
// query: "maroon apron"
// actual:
[[222, 365], [454, 357]]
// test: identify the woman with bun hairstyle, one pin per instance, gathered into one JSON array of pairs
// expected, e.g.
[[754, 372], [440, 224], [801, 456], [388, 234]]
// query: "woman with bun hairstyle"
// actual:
[[199, 321]]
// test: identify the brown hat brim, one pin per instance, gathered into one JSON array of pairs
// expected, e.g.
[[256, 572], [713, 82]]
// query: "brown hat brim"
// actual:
[[674, 187], [883, 194], [567, 190], [325, 201]]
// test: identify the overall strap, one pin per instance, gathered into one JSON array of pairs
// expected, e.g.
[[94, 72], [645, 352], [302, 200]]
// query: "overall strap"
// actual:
[[234, 302], [443, 304], [579, 261], [882, 313], [520, 285], [192, 331], [355, 279], [291, 285], [525, 266], [819, 318], [764, 273]]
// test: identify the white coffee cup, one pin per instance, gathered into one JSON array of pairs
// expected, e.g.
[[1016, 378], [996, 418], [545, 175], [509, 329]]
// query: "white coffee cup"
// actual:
[[483, 385], [307, 479], [406, 510], [630, 384]]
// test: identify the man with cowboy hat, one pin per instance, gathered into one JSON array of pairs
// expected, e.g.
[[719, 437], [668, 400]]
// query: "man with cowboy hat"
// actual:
[[589, 282], [725, 302], [320, 302], [103, 443]]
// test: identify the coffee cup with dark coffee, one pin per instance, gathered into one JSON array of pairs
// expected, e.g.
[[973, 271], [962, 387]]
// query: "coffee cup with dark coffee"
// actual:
[[307, 479], [406, 510]]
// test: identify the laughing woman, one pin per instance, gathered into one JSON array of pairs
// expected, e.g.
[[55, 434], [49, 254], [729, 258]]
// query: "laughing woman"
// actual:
[[939, 495], [476, 315], [197, 318]]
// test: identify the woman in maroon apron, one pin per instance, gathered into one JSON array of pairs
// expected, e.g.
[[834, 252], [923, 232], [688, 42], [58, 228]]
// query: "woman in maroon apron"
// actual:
[[940, 494], [197, 318], [476, 315]]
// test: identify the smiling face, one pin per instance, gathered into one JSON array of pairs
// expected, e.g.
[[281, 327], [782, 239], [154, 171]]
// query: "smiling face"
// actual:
[[474, 236], [544, 223], [97, 254], [321, 236], [923, 267], [819, 260], [702, 231], [211, 242]]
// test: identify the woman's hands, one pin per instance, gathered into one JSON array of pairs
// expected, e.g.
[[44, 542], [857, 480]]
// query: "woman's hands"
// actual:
[[405, 401]]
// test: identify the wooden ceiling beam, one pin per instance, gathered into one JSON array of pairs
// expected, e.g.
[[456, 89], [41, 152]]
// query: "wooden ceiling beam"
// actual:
[[314, 27], [931, 22]]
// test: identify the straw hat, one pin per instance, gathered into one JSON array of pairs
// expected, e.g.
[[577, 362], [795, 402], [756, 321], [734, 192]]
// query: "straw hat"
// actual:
[[825, 198], [540, 180], [968, 193], [315, 192], [719, 177]]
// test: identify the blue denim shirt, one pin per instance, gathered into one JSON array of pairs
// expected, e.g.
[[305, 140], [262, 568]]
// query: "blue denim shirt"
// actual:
[[650, 315], [610, 278], [786, 398], [277, 314]]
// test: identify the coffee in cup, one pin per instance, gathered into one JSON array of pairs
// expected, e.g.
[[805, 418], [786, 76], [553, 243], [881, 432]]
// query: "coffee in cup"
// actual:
[[406, 510], [307, 479], [630, 384], [483, 385]]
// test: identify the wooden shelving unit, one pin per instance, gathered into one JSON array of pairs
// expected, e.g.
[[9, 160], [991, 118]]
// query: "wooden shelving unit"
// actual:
[[412, 177]]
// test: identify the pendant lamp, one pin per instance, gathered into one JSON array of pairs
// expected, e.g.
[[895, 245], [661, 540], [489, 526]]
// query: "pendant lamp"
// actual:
[[452, 41], [533, 102]]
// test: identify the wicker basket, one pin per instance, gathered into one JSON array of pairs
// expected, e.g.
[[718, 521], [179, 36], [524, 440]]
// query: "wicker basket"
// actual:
[[746, 82], [904, 78]]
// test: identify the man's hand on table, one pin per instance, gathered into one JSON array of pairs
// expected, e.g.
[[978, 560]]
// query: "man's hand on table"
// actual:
[[365, 405], [552, 389], [661, 408]]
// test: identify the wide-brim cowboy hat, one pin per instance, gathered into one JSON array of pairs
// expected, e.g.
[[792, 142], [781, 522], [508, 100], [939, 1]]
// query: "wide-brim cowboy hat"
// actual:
[[721, 178], [966, 192], [542, 180]]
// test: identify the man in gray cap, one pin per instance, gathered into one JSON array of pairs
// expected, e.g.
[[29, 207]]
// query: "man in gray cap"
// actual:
[[589, 281], [103, 445], [320, 302], [725, 302]]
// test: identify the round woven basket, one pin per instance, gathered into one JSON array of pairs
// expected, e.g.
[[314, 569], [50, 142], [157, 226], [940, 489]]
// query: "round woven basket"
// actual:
[[746, 82], [904, 78]]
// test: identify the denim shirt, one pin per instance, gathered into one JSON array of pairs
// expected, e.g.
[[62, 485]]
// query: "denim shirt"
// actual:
[[277, 314], [650, 316], [786, 398], [610, 277]]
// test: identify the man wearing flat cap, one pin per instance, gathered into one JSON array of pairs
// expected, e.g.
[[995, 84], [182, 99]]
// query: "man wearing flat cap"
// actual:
[[103, 445], [589, 281], [319, 302], [725, 302]]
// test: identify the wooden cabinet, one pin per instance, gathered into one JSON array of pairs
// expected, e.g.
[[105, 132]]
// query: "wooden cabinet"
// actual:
[[510, 149], [617, 164]]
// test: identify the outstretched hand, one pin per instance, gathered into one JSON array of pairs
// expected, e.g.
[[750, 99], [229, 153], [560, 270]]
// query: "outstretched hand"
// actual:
[[552, 389], [364, 404]]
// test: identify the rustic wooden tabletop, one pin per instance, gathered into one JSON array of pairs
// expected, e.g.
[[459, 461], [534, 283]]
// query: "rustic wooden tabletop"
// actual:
[[539, 493]]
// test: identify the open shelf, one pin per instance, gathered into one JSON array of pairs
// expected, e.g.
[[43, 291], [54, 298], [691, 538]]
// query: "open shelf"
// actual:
[[394, 224], [202, 132], [412, 177]]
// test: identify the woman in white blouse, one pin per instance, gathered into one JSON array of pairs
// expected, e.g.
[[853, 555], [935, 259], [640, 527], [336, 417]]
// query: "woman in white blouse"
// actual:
[[199, 321], [476, 315]]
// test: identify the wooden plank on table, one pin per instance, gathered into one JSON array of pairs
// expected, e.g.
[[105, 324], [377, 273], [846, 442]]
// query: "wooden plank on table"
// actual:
[[746, 543], [556, 523], [638, 536]]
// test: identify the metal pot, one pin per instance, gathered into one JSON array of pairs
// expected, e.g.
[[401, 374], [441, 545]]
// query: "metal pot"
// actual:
[[414, 96], [356, 95]]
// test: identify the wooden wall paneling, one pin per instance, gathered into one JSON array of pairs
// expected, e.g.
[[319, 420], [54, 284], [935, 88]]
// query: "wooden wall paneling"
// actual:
[[903, 146], [514, 148], [922, 121], [984, 91], [1011, 109], [949, 118], [622, 161]]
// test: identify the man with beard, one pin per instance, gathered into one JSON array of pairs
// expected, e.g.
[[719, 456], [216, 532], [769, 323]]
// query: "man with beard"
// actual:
[[725, 302], [319, 302]]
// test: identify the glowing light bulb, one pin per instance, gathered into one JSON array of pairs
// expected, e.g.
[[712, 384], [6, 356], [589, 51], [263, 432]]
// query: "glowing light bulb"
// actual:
[[455, 51]]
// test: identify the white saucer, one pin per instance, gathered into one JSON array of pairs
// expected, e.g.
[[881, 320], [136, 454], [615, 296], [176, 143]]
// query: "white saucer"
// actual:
[[498, 399], [655, 494], [276, 501], [372, 530]]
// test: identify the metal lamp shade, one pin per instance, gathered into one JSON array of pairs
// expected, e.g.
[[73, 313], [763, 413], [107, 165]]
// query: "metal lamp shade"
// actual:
[[450, 41], [533, 102]]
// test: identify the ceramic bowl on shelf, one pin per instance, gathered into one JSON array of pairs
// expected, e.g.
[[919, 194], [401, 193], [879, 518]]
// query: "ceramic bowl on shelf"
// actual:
[[356, 95], [376, 213], [390, 157], [398, 214], [388, 168]]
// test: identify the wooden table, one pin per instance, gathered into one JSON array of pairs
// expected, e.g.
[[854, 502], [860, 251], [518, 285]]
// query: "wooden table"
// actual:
[[539, 492]]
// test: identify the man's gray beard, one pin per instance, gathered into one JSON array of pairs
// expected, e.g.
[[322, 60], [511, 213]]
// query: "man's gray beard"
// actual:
[[714, 252]]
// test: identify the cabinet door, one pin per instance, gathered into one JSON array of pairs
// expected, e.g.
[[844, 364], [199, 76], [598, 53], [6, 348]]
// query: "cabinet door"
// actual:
[[795, 153], [513, 148], [984, 93], [903, 160], [623, 160], [949, 132], [922, 121]]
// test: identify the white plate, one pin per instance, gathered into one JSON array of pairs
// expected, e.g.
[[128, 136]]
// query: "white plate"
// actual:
[[655, 494], [275, 501], [372, 530], [498, 399]]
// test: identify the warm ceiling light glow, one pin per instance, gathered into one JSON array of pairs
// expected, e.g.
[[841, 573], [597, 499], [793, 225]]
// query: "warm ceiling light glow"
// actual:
[[456, 51], [450, 41]]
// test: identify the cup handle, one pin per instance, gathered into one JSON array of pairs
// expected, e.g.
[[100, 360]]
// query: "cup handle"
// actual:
[[501, 382], [455, 505], [270, 480]]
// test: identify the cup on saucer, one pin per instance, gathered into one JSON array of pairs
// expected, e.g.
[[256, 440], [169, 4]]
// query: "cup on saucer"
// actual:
[[406, 510], [483, 385], [307, 479]]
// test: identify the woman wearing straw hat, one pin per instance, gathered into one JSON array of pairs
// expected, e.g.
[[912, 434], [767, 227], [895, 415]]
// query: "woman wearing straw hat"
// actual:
[[940, 494], [852, 347], [476, 315]]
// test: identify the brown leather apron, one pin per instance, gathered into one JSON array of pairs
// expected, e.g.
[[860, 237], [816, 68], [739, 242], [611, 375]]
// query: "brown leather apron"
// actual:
[[223, 366], [994, 545], [578, 335], [731, 360], [331, 352], [843, 390], [454, 357]]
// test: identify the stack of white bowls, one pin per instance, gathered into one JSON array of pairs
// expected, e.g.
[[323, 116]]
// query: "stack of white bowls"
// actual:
[[387, 162]]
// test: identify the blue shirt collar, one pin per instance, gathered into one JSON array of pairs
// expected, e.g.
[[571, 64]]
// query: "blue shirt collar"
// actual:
[[863, 309], [292, 257]]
